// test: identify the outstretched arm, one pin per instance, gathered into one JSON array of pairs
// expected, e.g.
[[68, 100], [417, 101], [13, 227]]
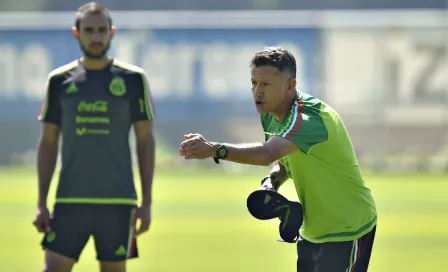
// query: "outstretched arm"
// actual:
[[197, 147]]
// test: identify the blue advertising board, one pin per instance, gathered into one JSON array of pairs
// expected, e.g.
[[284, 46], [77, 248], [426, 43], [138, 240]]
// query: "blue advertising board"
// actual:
[[193, 73]]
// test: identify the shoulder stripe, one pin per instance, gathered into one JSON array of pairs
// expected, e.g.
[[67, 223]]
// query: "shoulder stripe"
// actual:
[[63, 68], [296, 120], [128, 66], [289, 121], [149, 104], [45, 103]]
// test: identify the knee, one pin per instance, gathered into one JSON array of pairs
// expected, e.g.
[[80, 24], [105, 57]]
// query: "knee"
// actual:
[[55, 268], [113, 266], [57, 263]]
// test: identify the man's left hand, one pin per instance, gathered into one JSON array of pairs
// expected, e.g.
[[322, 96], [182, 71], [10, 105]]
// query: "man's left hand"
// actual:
[[143, 214], [268, 185], [195, 146]]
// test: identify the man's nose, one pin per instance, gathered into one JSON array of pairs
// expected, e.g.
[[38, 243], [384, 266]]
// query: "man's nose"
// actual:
[[257, 91], [96, 37]]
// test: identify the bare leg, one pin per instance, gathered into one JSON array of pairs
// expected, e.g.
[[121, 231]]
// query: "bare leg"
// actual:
[[55, 262], [113, 266]]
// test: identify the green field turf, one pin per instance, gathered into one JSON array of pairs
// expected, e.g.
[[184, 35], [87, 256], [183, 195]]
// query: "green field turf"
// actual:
[[200, 223]]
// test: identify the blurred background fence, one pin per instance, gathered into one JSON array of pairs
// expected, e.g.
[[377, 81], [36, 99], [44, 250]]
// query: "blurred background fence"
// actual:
[[383, 66]]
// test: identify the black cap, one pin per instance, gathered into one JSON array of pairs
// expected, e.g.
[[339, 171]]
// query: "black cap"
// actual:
[[266, 204]]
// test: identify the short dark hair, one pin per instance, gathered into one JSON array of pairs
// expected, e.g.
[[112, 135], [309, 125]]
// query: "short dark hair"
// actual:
[[278, 57], [91, 8]]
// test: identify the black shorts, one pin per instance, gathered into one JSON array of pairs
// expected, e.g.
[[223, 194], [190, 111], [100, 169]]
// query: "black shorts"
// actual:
[[353, 256], [110, 225]]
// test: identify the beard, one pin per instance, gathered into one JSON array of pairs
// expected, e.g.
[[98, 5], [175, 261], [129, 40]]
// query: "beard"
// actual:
[[91, 55]]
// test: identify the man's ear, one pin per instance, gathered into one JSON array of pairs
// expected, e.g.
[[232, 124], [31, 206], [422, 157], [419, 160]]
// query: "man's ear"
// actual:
[[112, 31], [75, 33], [292, 84]]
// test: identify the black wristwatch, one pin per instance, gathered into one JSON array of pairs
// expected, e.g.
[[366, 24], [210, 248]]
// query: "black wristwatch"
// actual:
[[221, 153]]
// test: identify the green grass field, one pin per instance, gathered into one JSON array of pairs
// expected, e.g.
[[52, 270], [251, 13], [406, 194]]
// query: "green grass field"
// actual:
[[200, 223]]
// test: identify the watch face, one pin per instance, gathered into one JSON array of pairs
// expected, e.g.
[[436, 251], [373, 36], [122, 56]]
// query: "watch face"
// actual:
[[222, 152]]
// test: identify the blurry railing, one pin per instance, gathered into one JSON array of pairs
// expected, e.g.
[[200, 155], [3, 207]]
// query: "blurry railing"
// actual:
[[386, 72]]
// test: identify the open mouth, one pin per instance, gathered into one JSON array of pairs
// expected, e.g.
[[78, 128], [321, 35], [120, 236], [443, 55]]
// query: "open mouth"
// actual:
[[258, 102]]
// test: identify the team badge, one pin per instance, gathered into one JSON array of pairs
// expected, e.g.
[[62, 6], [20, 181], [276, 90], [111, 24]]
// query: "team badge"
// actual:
[[117, 87]]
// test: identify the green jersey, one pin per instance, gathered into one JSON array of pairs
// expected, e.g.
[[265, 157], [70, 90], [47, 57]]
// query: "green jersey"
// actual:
[[337, 203], [95, 110]]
